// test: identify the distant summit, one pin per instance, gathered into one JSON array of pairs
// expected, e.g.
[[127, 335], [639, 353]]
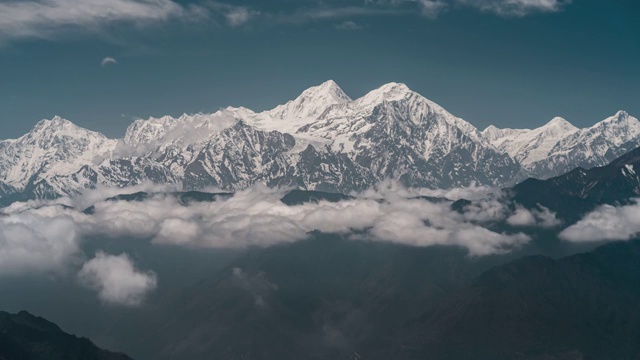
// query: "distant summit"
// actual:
[[322, 140]]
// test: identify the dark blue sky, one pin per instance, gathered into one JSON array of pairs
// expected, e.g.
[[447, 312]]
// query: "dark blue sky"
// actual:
[[515, 63]]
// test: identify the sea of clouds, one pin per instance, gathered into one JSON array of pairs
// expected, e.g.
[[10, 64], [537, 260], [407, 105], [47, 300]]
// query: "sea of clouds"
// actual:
[[48, 236]]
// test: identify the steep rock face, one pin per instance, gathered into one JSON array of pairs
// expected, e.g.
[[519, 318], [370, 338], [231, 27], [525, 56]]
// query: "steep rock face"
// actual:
[[328, 171], [134, 171], [238, 157]]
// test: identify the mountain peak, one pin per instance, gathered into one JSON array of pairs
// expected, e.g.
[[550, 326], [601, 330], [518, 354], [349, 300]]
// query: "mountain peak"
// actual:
[[54, 125], [328, 90], [55, 121], [561, 124], [392, 88], [311, 103], [621, 114], [390, 92], [492, 132], [621, 118], [58, 119], [329, 84]]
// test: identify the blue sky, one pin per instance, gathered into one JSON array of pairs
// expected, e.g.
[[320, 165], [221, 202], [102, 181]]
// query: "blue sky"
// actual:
[[516, 63]]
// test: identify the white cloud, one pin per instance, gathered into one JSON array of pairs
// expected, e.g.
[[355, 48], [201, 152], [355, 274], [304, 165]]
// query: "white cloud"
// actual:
[[431, 8], [47, 18], [348, 25], [516, 8], [239, 16], [329, 13], [427, 8], [541, 217], [392, 187], [486, 210], [108, 60], [606, 223], [257, 217], [189, 129], [31, 243], [234, 15], [422, 223], [521, 217], [116, 280], [546, 218], [91, 196]]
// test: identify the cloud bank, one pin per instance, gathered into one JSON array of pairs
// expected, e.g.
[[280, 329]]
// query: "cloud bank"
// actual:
[[42, 237], [30, 243], [606, 223], [257, 217], [116, 280]]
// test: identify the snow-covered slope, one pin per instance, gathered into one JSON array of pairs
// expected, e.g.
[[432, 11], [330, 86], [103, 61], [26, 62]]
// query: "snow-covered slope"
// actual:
[[55, 157], [310, 105], [558, 146], [530, 146], [396, 133], [321, 140]]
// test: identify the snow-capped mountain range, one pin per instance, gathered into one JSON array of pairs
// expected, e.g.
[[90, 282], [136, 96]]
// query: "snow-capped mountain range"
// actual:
[[322, 140]]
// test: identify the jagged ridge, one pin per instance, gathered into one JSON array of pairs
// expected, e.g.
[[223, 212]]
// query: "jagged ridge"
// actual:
[[322, 140]]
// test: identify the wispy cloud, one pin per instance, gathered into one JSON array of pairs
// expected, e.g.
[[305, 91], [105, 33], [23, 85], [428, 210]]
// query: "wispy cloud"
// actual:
[[48, 18], [427, 8], [541, 217], [303, 15], [108, 60], [348, 25], [258, 285], [431, 8], [239, 16], [516, 8], [234, 15]]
